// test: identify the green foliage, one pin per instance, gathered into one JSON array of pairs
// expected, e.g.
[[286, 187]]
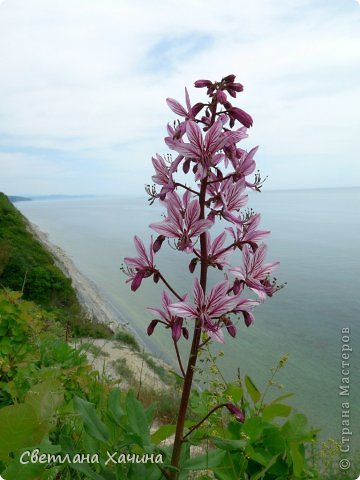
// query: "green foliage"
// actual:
[[25, 265], [126, 337]]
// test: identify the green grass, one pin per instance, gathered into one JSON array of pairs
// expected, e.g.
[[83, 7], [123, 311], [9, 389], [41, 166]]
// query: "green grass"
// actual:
[[126, 337], [26, 266]]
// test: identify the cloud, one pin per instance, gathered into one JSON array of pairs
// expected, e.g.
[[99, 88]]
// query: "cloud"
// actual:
[[87, 81]]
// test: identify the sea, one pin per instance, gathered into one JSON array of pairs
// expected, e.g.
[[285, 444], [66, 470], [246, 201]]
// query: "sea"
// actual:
[[315, 234]]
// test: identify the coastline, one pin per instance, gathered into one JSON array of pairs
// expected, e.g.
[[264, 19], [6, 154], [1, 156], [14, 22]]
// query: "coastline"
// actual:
[[100, 310], [96, 307]]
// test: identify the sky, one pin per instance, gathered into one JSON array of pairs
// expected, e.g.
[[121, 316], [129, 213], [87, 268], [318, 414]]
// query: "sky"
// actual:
[[83, 85]]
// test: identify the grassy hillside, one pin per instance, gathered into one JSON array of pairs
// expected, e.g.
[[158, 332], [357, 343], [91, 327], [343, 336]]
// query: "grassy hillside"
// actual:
[[25, 265]]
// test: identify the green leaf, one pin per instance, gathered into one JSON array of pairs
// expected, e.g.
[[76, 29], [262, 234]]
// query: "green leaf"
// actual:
[[114, 406], [234, 391], [137, 418], [254, 393], [45, 398], [162, 433], [92, 423], [211, 459], [229, 445], [259, 455], [273, 440], [297, 458], [20, 428], [295, 427], [276, 410], [282, 397], [260, 474], [150, 413], [253, 428]]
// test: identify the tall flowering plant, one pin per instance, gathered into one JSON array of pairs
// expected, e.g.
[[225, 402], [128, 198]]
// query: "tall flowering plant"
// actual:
[[206, 140]]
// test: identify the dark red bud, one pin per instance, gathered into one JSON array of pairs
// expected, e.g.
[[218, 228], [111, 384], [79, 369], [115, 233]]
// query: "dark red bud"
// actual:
[[230, 327], [229, 78], [202, 83], [185, 333], [151, 327], [158, 242], [135, 284], [186, 165], [248, 318], [192, 265], [240, 416], [240, 115], [156, 277]]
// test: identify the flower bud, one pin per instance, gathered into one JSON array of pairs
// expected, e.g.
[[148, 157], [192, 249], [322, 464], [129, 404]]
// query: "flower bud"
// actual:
[[158, 242], [240, 115], [135, 284], [230, 327], [185, 333], [192, 265], [248, 318], [240, 416], [186, 165], [202, 83], [151, 327]]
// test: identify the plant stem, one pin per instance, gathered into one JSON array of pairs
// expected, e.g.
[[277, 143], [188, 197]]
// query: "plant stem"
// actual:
[[194, 348], [192, 429], [179, 359]]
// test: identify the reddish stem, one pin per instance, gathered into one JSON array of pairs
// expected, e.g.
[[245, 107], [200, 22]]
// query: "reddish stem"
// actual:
[[194, 348]]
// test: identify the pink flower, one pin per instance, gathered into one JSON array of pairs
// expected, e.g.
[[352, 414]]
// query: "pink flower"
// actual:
[[183, 221], [140, 267], [163, 176], [214, 305], [202, 151], [215, 254], [166, 317], [255, 273], [228, 194], [190, 112], [246, 232]]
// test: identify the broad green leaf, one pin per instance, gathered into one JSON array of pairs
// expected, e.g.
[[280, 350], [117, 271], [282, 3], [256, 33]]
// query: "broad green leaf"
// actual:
[[259, 455], [229, 445], [162, 433], [273, 440], [20, 428], [297, 458], [92, 423], [276, 410], [259, 475], [211, 459], [114, 405], [295, 427], [234, 391], [30, 471], [253, 428], [45, 398], [254, 393], [150, 413], [137, 418]]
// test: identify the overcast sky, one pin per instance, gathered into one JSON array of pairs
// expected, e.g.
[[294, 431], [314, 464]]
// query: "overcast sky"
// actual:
[[83, 86]]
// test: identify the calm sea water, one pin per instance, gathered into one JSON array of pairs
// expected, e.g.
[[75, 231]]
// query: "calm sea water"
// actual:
[[316, 238]]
